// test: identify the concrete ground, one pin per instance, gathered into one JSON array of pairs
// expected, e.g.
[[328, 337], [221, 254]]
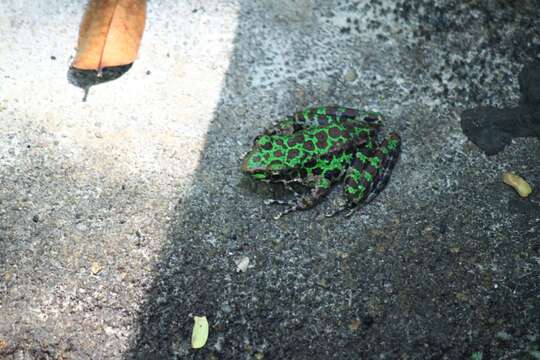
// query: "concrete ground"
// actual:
[[124, 216]]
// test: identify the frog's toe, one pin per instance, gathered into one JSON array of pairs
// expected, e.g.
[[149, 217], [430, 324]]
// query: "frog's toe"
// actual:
[[339, 210], [333, 213], [301, 203], [276, 201], [285, 212], [351, 211]]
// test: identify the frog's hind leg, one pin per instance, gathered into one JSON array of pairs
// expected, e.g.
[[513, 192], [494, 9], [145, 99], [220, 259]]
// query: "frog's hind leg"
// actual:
[[321, 112], [357, 184], [369, 174], [375, 174], [388, 152], [324, 115], [286, 126], [334, 111], [300, 121], [318, 116]]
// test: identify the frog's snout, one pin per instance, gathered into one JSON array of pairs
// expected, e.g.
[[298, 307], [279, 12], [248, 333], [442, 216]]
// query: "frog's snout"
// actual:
[[250, 164], [245, 161]]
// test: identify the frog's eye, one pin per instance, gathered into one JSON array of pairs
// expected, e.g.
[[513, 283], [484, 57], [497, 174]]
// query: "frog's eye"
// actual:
[[250, 162], [373, 118], [262, 139]]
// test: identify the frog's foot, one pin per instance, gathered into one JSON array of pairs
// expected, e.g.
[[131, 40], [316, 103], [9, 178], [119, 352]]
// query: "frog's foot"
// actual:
[[293, 205], [369, 173], [290, 209], [279, 202], [301, 202], [349, 207], [343, 206]]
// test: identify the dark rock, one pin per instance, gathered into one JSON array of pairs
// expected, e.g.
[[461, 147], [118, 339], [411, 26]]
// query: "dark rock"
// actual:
[[529, 83], [491, 129]]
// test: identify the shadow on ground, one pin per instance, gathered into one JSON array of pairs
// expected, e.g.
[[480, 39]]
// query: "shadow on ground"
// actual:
[[426, 271]]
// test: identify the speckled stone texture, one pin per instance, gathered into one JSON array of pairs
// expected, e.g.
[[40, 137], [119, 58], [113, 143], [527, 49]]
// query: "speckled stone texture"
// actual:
[[124, 216]]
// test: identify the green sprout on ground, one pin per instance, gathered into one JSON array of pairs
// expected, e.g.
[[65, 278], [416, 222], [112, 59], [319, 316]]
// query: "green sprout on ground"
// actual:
[[477, 355]]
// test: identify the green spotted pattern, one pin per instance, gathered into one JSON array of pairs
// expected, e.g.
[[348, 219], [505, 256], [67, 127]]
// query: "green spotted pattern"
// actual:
[[317, 147]]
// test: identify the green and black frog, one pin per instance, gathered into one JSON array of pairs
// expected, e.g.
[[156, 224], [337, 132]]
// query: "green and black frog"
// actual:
[[319, 147]]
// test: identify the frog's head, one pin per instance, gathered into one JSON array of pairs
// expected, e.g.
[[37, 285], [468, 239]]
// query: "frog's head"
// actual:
[[263, 159], [256, 161], [253, 164]]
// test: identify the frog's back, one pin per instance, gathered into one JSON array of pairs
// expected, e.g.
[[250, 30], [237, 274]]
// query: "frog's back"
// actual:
[[305, 153]]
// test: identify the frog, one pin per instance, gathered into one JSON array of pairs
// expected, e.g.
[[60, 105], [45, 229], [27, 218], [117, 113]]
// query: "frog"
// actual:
[[319, 147]]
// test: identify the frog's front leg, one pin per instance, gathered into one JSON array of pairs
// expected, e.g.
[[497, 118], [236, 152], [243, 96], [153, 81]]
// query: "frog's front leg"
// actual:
[[304, 201], [369, 173]]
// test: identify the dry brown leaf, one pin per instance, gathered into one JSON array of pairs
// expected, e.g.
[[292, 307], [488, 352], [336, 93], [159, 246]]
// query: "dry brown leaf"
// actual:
[[110, 34]]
